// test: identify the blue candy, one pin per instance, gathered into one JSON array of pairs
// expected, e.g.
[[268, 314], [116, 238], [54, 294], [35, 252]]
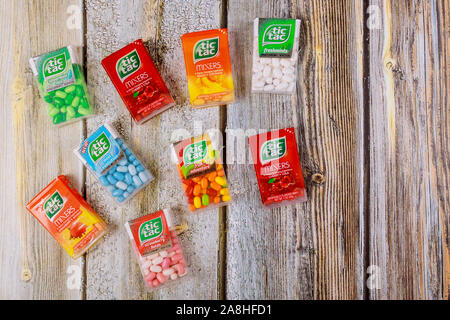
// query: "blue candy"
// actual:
[[119, 141], [104, 181], [111, 179], [121, 199], [137, 182], [122, 169], [117, 193], [136, 163], [128, 178], [130, 189], [125, 195], [131, 158], [119, 176], [140, 168]]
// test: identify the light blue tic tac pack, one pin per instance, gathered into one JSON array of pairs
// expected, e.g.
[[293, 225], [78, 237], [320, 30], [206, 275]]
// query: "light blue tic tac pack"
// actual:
[[100, 151], [117, 168]]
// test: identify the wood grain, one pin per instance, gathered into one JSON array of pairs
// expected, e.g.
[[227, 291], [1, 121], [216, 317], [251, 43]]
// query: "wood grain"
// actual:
[[37, 153], [311, 250], [110, 26], [409, 150]]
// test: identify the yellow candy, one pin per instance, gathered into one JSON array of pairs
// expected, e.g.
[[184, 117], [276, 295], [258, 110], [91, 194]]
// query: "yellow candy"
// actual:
[[221, 180], [197, 202], [224, 191], [226, 198]]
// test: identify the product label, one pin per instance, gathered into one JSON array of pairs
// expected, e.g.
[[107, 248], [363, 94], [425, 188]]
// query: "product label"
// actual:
[[276, 37], [128, 65], [55, 70], [273, 150], [53, 205], [195, 152], [277, 166], [100, 151], [208, 67], [150, 233], [206, 49], [67, 216], [195, 156]]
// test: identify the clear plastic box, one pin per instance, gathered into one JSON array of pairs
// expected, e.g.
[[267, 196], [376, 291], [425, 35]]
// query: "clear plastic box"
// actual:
[[157, 248], [275, 55], [117, 168], [62, 85]]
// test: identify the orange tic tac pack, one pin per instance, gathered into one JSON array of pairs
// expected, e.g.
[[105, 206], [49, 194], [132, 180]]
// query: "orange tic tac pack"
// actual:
[[208, 67], [67, 216]]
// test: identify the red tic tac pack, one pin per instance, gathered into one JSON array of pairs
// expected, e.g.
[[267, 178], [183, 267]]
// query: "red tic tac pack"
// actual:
[[138, 81], [278, 168]]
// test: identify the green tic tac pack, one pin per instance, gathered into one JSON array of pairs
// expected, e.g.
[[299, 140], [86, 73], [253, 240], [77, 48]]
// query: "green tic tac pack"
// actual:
[[62, 85]]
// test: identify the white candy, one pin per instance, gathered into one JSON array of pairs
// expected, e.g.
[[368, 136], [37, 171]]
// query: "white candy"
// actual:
[[163, 253], [274, 74], [173, 276], [168, 272], [153, 256], [277, 73], [157, 261], [155, 269]]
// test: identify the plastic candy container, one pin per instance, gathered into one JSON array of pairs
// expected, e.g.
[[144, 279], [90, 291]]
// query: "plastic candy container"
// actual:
[[201, 172], [62, 85], [278, 168], [208, 67], [113, 163], [138, 81], [275, 55], [67, 216], [157, 248]]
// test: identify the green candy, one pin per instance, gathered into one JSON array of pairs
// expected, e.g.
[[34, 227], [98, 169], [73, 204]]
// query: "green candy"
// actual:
[[70, 112], [69, 99], [63, 109], [69, 89], [59, 102], [84, 111], [53, 112], [76, 102], [48, 99], [79, 91], [58, 118], [60, 94], [205, 200]]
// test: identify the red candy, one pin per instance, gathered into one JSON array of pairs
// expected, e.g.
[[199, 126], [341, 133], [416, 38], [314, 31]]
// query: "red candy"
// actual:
[[138, 81], [278, 168]]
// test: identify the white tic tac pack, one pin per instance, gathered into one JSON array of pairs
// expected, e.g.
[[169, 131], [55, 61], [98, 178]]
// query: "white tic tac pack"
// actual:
[[275, 55]]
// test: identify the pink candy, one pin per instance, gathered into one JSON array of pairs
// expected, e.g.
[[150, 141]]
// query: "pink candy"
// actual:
[[163, 266]]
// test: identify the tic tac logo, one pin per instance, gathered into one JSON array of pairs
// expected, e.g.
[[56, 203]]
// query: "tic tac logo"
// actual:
[[272, 150], [53, 205], [99, 147], [194, 152], [277, 34], [55, 65], [206, 49], [150, 230], [128, 64]]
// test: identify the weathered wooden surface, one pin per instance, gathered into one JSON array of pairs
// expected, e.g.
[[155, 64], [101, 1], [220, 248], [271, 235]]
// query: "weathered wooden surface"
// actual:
[[409, 150], [310, 250], [37, 153], [371, 113]]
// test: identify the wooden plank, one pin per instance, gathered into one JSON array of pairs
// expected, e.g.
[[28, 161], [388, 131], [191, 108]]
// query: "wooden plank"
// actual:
[[37, 153], [112, 272], [311, 250], [409, 199]]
